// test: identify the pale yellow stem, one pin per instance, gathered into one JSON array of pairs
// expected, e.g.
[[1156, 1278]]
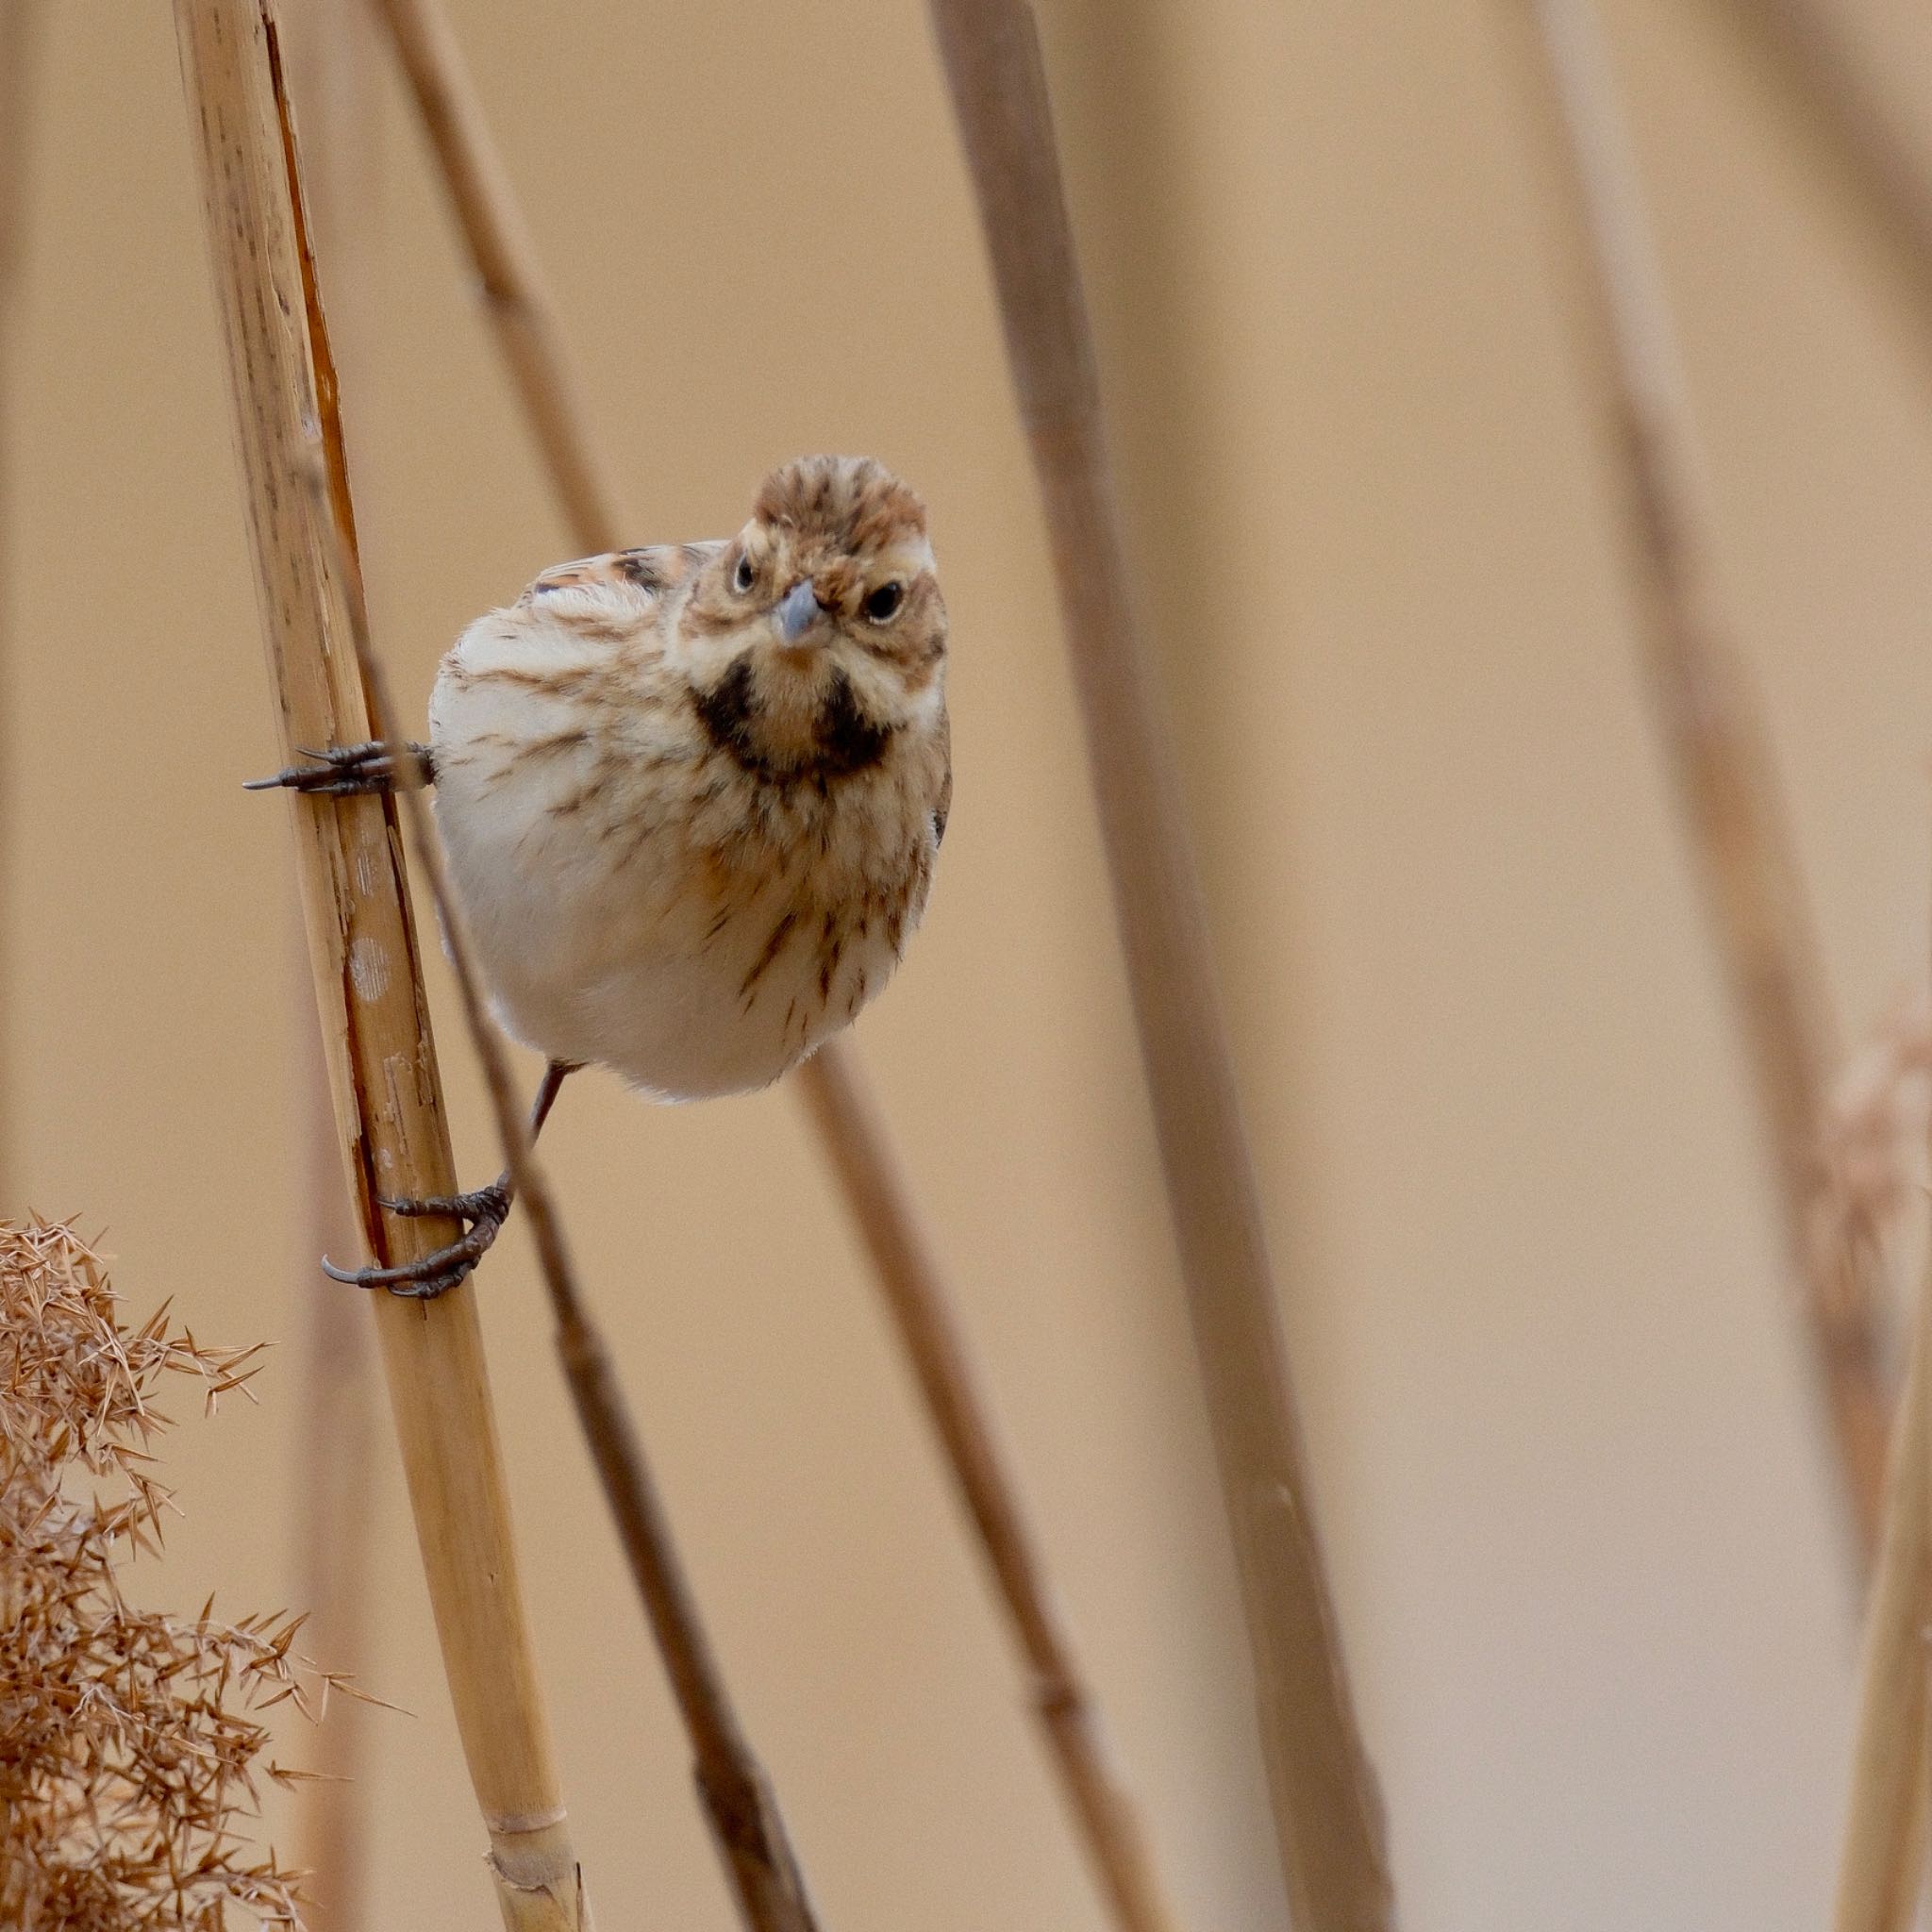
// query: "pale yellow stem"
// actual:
[[394, 1138]]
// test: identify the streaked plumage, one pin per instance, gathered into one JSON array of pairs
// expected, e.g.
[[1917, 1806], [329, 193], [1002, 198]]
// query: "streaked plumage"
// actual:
[[691, 808]]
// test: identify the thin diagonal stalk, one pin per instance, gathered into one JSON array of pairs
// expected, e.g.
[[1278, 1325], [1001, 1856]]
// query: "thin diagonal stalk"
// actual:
[[383, 1073], [913, 1281], [1327, 1813], [737, 1795], [1712, 736], [20, 25], [832, 1084], [1854, 131], [510, 281]]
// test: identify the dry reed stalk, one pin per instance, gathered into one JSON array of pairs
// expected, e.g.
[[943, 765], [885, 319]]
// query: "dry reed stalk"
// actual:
[[736, 1794], [913, 1281], [374, 1014], [334, 78], [133, 1738], [334, 1516], [1881, 1867], [1712, 736], [19, 23], [832, 1084], [1327, 1812], [334, 1526], [1854, 131], [509, 280]]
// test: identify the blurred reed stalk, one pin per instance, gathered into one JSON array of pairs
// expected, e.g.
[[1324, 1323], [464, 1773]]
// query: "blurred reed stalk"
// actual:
[[383, 1073], [1854, 131], [1712, 736], [857, 1142], [913, 1280], [1327, 1812], [334, 83], [737, 1797], [20, 29], [1881, 1867]]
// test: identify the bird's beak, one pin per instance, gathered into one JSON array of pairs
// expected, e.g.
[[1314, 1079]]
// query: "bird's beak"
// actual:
[[797, 611]]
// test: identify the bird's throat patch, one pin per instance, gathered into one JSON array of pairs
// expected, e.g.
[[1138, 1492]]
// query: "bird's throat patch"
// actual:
[[844, 740]]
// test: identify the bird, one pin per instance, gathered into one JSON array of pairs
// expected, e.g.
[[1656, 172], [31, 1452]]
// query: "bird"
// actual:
[[690, 797]]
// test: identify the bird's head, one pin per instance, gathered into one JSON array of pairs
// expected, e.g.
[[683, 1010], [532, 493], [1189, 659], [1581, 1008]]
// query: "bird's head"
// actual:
[[817, 635]]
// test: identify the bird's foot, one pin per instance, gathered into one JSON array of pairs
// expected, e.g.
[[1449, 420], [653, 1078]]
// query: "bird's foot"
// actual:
[[484, 1210], [347, 770]]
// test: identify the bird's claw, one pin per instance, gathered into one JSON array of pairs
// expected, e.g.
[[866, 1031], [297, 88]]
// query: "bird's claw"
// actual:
[[484, 1209], [490, 1203], [341, 771]]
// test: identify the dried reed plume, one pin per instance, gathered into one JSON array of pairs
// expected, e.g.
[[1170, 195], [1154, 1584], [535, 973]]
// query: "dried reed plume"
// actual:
[[132, 1740], [1875, 1126]]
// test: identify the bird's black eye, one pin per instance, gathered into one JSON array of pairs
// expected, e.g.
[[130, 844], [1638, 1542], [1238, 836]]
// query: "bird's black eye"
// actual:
[[742, 576], [882, 605]]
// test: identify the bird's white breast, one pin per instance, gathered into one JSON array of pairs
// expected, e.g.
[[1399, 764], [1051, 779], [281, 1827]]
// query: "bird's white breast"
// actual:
[[584, 819]]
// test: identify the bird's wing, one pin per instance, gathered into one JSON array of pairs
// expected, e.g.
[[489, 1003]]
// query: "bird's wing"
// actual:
[[626, 583]]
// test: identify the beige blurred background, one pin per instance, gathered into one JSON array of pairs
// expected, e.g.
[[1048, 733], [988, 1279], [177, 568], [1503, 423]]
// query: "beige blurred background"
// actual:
[[1589, 1570]]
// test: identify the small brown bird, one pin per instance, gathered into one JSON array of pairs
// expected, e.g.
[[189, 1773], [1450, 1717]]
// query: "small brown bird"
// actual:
[[691, 797]]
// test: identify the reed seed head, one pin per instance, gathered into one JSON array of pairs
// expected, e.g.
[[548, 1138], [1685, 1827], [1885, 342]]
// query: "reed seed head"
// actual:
[[130, 1740]]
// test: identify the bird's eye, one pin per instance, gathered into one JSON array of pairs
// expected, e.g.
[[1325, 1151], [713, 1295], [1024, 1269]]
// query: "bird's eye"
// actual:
[[882, 605], [742, 576]]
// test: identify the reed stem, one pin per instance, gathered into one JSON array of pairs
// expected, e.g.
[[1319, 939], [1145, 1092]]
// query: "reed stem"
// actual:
[[1327, 1813], [382, 1066], [832, 1084], [909, 1272], [1881, 1866], [1853, 129], [1714, 737], [334, 74], [732, 1786]]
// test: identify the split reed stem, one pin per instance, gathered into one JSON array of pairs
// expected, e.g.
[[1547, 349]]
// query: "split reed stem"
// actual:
[[374, 1016], [858, 1144], [1712, 736], [333, 73], [1327, 1812]]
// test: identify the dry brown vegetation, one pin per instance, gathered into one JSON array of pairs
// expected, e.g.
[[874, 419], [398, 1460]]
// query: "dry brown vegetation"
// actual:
[[131, 1741]]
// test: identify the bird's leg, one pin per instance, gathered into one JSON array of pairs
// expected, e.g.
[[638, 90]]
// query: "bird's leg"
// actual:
[[342, 771], [483, 1210]]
